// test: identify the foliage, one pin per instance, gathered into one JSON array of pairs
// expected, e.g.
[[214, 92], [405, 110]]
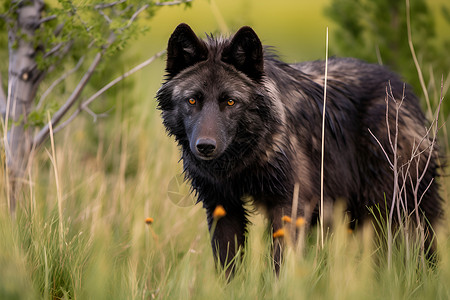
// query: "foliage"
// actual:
[[376, 31]]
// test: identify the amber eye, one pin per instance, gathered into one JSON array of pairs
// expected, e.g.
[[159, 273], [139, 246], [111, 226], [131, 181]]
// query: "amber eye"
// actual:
[[192, 101], [230, 102]]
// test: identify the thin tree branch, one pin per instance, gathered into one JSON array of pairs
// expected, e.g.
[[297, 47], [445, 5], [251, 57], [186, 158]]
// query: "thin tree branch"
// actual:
[[86, 103], [171, 2], [93, 114], [382, 148], [53, 50], [134, 16], [60, 55], [107, 5], [2, 98], [46, 19], [108, 20], [123, 76]]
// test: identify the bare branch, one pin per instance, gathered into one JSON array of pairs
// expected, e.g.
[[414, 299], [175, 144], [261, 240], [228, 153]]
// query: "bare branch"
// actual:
[[86, 103], [382, 148], [46, 19], [424, 192], [134, 16], [433, 141], [108, 5], [53, 50], [387, 115], [2, 98], [172, 2], [93, 114], [123, 76], [58, 81], [108, 19]]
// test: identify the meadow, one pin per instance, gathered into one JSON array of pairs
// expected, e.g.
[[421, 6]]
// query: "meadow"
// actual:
[[104, 214]]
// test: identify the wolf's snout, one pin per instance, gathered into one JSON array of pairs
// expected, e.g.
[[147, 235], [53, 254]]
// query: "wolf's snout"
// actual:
[[206, 146]]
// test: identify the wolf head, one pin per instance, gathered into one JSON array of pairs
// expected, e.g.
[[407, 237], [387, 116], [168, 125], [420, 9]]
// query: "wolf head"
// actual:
[[213, 92]]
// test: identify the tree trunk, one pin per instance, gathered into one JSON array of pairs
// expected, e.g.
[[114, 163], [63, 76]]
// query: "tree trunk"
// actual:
[[24, 78]]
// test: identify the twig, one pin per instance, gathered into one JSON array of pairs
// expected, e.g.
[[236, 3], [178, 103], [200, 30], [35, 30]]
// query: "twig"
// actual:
[[108, 20], [86, 103], [53, 50], [46, 19], [134, 16], [171, 2], [395, 197], [2, 98], [382, 148], [396, 194], [107, 5], [423, 194], [432, 144], [94, 115]]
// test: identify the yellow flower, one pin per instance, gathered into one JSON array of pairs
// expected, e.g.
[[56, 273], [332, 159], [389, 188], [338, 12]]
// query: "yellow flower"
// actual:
[[286, 219], [148, 221], [278, 233], [300, 222], [219, 212]]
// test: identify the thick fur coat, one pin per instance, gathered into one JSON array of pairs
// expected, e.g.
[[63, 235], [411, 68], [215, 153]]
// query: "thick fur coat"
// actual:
[[250, 127]]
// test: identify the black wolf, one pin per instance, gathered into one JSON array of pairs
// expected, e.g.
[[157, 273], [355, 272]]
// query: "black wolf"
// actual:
[[249, 126]]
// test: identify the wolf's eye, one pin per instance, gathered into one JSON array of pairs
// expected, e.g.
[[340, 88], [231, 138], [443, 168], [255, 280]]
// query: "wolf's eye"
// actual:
[[192, 101], [230, 102]]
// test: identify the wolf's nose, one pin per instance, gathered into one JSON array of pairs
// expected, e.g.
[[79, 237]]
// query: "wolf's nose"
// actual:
[[206, 146]]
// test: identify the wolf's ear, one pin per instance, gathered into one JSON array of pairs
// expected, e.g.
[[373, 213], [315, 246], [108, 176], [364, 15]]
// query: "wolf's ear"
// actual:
[[184, 50], [245, 53]]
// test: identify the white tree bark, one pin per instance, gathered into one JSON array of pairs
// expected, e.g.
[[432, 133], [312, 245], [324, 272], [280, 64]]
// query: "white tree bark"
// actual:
[[23, 80]]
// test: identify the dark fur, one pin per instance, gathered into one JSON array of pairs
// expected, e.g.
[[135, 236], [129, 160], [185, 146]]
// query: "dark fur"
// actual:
[[270, 138]]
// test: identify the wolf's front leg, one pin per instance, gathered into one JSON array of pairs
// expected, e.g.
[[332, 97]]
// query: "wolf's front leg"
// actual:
[[227, 234], [278, 235], [279, 232]]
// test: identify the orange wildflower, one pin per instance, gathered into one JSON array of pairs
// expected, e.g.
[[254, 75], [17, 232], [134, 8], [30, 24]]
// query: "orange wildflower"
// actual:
[[219, 212], [300, 222], [148, 221], [278, 233], [286, 219]]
